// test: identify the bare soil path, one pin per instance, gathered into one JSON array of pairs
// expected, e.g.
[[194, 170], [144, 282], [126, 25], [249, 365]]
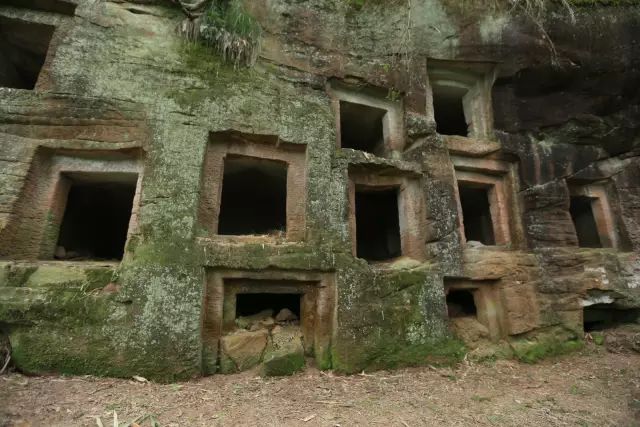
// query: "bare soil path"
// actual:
[[590, 388]]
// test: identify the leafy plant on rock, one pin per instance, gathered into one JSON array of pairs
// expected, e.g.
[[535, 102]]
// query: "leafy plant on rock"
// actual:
[[227, 27]]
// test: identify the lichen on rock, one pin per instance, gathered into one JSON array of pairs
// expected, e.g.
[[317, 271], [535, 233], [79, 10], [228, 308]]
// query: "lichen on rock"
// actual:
[[117, 92]]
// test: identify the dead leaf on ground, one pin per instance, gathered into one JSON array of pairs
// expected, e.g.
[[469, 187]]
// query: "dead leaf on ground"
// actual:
[[309, 418]]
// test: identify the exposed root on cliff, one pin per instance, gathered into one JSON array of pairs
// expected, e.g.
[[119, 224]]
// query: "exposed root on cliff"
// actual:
[[535, 11]]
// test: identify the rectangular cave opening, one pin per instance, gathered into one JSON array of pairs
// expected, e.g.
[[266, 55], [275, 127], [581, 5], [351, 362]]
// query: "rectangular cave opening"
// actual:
[[461, 303], [23, 50], [448, 110], [96, 217], [254, 197], [361, 127], [377, 224], [584, 221], [476, 214], [279, 306], [598, 317]]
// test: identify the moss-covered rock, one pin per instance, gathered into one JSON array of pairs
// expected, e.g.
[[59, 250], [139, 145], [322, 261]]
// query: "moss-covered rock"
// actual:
[[242, 350], [282, 364], [392, 317], [79, 350], [49, 276], [284, 354], [118, 82], [68, 295], [15, 274], [555, 342]]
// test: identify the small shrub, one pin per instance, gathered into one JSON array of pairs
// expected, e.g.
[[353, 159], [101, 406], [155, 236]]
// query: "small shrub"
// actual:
[[228, 28]]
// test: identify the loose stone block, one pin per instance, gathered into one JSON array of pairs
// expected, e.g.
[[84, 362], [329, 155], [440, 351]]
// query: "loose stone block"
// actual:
[[285, 353], [242, 350]]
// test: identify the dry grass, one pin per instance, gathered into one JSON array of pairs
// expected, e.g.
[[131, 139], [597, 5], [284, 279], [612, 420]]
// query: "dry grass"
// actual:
[[594, 388]]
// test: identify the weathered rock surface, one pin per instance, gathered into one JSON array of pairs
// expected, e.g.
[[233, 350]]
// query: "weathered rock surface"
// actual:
[[242, 350], [623, 339], [285, 315], [247, 322], [285, 352], [561, 111], [472, 332]]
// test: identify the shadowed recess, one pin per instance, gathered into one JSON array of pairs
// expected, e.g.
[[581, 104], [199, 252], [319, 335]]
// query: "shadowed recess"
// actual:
[[96, 219], [460, 303], [361, 127], [254, 196], [603, 316], [476, 215], [581, 210], [449, 111], [249, 304], [377, 225], [23, 50]]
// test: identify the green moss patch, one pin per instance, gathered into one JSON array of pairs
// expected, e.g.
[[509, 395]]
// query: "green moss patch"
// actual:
[[82, 350], [282, 364], [533, 351], [389, 355], [445, 352]]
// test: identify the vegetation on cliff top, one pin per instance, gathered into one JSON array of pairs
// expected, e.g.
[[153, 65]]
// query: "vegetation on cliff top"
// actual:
[[226, 26]]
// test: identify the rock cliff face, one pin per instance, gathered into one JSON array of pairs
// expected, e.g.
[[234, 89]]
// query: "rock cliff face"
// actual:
[[400, 176]]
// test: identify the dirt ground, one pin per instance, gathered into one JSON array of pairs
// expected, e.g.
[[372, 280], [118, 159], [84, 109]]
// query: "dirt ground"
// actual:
[[590, 388]]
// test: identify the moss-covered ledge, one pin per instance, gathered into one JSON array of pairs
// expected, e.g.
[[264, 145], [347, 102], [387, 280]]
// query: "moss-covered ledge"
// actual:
[[260, 255], [59, 316]]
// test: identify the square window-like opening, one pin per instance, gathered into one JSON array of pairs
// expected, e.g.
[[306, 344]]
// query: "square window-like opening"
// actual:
[[272, 304], [254, 196], [96, 217], [377, 224], [361, 127], [448, 110], [581, 210], [461, 303], [602, 316], [23, 50], [476, 214]]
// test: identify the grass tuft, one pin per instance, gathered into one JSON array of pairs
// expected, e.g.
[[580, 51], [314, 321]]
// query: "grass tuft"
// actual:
[[229, 29]]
